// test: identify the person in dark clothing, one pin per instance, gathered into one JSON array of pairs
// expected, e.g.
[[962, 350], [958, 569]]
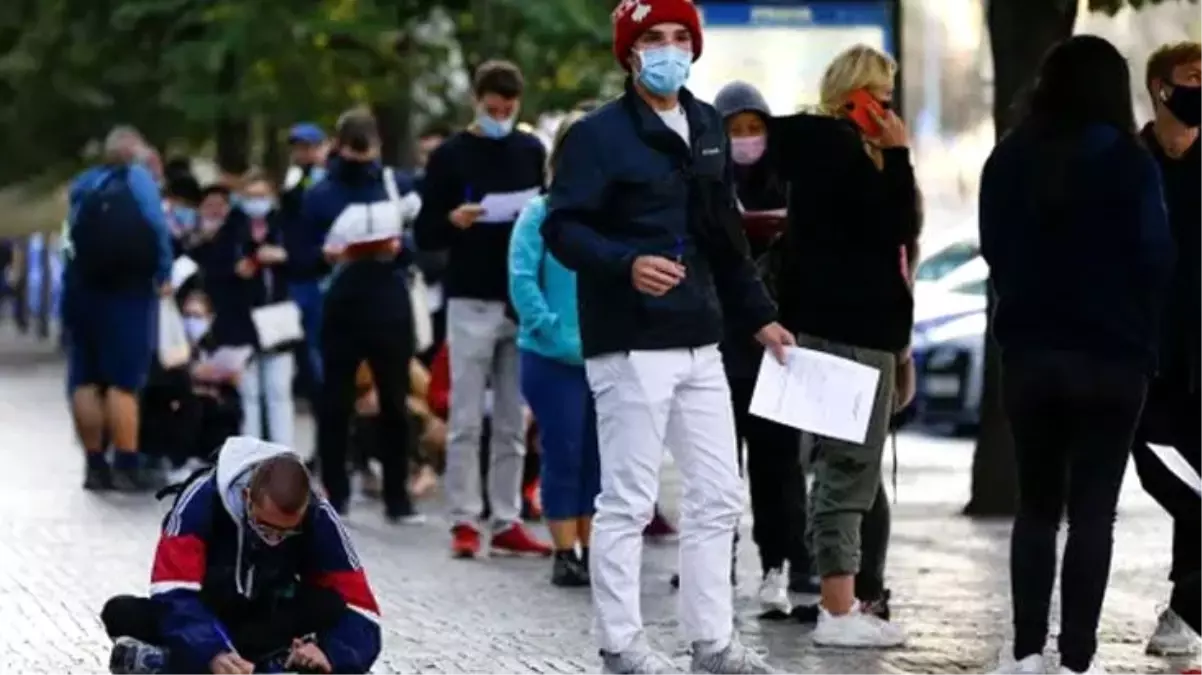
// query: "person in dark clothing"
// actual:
[[306, 264], [1174, 81], [778, 489], [367, 315], [843, 286], [488, 160], [188, 412], [246, 278], [432, 264], [1074, 229], [643, 209]]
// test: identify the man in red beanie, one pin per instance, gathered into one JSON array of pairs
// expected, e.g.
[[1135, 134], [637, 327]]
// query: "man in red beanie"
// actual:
[[642, 208]]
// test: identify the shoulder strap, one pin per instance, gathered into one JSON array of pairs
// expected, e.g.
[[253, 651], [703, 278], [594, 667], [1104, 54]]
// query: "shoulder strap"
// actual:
[[390, 185]]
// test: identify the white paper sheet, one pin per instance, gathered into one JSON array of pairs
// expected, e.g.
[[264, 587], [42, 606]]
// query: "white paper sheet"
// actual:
[[816, 392], [504, 207], [229, 359], [181, 270], [1178, 465]]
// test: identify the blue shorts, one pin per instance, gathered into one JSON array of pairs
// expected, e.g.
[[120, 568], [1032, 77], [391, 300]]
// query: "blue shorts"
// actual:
[[111, 337]]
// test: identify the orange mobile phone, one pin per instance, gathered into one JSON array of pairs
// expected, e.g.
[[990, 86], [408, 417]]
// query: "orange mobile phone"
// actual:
[[860, 107]]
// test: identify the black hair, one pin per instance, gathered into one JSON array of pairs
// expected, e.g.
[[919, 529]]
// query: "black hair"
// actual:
[[185, 188], [214, 189], [1083, 82], [502, 78], [356, 130]]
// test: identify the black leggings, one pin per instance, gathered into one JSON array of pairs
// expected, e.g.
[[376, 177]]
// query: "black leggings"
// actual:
[[312, 610], [1073, 418], [778, 488], [387, 350]]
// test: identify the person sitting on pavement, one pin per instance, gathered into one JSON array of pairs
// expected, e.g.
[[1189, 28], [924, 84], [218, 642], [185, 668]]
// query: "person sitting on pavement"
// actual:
[[120, 254], [254, 572]]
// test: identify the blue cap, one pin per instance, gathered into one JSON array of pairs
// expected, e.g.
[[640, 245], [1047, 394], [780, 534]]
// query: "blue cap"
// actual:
[[306, 132]]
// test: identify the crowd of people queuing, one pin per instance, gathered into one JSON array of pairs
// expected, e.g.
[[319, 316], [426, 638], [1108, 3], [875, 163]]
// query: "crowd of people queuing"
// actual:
[[541, 325]]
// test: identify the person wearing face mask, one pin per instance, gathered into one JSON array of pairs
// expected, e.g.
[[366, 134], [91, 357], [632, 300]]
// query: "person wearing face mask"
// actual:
[[643, 209], [246, 273], [487, 160], [365, 208], [774, 463], [180, 203], [254, 572], [1170, 417]]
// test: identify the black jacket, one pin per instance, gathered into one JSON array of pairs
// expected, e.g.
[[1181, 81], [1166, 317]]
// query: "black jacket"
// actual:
[[464, 169], [627, 185], [841, 276], [1078, 244], [234, 297]]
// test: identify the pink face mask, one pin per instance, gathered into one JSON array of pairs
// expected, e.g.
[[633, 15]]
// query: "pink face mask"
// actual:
[[747, 150]]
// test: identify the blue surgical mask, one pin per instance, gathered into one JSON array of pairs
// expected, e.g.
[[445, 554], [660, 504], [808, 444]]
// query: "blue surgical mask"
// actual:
[[664, 70], [184, 217], [196, 327], [257, 207], [492, 127]]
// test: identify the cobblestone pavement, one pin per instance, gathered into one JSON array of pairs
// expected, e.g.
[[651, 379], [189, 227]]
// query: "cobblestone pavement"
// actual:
[[63, 552]]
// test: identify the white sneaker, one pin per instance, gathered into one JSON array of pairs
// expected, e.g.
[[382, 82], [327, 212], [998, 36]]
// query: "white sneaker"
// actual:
[[1173, 637], [774, 592], [856, 629], [1028, 665], [1094, 669]]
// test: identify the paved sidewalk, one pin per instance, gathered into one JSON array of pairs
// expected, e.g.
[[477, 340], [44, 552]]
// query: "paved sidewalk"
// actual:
[[63, 552]]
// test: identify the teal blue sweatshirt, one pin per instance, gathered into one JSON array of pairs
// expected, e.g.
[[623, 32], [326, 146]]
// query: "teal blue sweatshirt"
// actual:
[[543, 291]]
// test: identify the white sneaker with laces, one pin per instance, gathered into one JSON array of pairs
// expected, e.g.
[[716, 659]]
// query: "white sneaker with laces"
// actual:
[[1028, 665], [1094, 669], [774, 592], [856, 629], [1173, 637]]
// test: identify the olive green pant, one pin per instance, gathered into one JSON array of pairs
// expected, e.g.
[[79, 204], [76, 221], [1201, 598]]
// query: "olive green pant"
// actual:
[[847, 475]]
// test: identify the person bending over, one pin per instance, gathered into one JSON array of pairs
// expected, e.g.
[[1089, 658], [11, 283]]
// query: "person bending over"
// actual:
[[253, 573]]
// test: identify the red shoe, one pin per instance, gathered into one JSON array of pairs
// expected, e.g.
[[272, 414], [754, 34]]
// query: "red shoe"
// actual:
[[1192, 671], [465, 541], [659, 527], [532, 508], [516, 539]]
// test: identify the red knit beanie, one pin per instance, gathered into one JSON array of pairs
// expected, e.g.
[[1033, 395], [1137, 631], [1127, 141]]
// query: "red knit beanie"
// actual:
[[633, 17]]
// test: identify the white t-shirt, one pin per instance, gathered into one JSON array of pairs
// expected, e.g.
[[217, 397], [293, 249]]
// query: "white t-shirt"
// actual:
[[676, 121]]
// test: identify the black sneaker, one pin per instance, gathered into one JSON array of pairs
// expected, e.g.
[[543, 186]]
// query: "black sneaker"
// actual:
[[97, 478], [129, 480], [136, 657], [567, 572], [878, 607]]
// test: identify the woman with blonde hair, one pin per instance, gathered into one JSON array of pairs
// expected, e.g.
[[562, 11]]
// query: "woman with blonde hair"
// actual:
[[843, 287], [555, 386]]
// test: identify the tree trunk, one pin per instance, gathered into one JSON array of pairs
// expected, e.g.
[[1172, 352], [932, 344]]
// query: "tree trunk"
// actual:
[[1020, 33], [233, 130]]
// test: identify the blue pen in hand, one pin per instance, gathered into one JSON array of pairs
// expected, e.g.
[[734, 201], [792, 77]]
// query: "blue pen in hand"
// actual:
[[678, 252]]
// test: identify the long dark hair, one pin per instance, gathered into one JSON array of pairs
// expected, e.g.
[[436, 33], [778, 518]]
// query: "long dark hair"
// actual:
[[1083, 82]]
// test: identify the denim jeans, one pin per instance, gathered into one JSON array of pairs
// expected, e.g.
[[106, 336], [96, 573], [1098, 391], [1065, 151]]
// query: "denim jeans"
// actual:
[[267, 381]]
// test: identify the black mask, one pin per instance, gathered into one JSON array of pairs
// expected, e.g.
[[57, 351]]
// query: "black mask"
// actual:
[[1185, 103]]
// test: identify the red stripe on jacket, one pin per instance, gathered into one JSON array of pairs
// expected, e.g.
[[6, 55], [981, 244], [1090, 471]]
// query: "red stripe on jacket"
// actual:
[[179, 559], [352, 586]]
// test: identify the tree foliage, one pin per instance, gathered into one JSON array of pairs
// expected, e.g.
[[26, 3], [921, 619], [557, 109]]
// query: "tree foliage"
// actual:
[[183, 71]]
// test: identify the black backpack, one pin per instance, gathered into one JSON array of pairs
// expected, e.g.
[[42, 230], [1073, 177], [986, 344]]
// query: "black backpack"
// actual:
[[113, 243]]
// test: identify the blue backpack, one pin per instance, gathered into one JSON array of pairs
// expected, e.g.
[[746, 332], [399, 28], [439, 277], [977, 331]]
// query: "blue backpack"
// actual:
[[114, 245]]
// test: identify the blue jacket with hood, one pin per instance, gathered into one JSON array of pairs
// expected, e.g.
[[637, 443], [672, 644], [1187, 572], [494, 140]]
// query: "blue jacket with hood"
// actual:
[[209, 572]]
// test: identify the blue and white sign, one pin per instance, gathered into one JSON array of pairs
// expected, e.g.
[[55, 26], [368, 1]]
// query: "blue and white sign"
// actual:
[[783, 47]]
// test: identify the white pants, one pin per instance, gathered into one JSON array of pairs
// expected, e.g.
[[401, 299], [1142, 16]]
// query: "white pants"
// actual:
[[646, 400], [268, 378], [483, 351]]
